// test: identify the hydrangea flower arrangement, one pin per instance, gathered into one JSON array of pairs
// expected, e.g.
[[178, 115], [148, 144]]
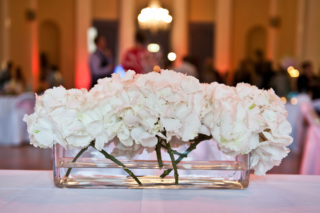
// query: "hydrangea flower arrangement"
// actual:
[[147, 111]]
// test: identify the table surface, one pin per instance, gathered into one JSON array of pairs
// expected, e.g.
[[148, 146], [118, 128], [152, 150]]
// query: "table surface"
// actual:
[[33, 191]]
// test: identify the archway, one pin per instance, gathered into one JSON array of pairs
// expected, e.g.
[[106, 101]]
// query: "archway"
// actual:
[[256, 39], [49, 44]]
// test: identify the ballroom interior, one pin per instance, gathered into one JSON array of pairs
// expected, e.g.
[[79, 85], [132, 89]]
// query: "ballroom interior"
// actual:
[[221, 36]]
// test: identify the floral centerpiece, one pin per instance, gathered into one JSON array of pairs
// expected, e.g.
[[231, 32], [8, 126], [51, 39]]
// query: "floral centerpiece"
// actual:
[[149, 112]]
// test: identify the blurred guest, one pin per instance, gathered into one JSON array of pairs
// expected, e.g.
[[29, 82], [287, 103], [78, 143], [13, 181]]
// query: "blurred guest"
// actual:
[[188, 67], [307, 81], [263, 69], [245, 73], [5, 74], [316, 91], [44, 67], [138, 58], [55, 78], [17, 83], [210, 74], [101, 61], [280, 82], [168, 65]]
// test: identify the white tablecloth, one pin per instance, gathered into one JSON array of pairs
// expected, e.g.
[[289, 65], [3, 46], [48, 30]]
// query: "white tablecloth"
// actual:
[[13, 131], [33, 191]]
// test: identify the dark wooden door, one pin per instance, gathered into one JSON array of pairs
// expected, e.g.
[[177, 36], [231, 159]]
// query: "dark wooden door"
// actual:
[[201, 37]]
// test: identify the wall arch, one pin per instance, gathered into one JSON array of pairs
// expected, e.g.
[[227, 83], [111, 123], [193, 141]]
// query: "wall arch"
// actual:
[[49, 41], [256, 39]]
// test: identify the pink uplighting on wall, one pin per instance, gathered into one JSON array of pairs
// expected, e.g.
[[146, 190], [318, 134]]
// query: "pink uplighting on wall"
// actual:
[[34, 56], [83, 78]]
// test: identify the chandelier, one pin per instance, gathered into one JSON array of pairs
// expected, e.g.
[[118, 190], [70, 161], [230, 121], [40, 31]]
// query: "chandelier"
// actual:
[[154, 17]]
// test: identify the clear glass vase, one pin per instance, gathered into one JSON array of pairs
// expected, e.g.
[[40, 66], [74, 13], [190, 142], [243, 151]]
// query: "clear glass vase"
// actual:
[[206, 167]]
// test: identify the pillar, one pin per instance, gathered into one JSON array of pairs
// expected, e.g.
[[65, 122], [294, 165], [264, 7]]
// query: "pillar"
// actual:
[[300, 33], [82, 24], [33, 47], [312, 30], [5, 31], [272, 33], [179, 36], [222, 43], [127, 26]]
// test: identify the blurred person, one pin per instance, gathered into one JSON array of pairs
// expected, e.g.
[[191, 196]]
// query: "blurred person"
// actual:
[[210, 74], [316, 90], [44, 67], [245, 73], [138, 58], [188, 67], [307, 82], [263, 70], [5, 74], [280, 82], [168, 65], [17, 83], [55, 78], [101, 61]]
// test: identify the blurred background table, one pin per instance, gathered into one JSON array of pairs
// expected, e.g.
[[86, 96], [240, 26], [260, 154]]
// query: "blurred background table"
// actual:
[[33, 191], [13, 130]]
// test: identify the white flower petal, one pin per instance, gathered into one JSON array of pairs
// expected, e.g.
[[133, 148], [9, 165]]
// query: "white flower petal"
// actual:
[[94, 128], [135, 134], [148, 139], [171, 124], [101, 140]]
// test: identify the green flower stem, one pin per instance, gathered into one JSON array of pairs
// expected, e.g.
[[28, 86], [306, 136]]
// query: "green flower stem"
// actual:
[[112, 158], [174, 164], [174, 151], [158, 150], [75, 159], [185, 154]]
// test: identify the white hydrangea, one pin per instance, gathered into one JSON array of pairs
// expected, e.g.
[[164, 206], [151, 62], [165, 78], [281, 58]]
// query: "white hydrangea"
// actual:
[[136, 110]]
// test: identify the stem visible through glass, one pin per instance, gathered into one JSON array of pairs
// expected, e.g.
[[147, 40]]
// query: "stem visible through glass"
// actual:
[[158, 151], [174, 164], [75, 159], [108, 156], [185, 153], [171, 152], [112, 158]]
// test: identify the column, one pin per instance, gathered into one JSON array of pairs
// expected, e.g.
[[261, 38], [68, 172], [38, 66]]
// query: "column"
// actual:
[[272, 32], [33, 51], [127, 27], [5, 31], [312, 34], [222, 43], [301, 27], [82, 24], [179, 36]]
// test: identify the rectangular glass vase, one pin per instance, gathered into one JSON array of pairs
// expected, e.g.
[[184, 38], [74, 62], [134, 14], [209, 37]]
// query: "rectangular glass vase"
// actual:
[[206, 167]]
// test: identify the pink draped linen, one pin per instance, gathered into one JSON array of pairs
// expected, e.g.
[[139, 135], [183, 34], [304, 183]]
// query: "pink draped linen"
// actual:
[[296, 119], [310, 164]]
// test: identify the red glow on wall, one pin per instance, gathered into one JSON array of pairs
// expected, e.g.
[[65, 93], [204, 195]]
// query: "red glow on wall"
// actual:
[[35, 60], [223, 68], [83, 78], [34, 56], [222, 60]]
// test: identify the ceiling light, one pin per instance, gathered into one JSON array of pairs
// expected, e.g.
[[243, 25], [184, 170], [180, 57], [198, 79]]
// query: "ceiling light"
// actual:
[[172, 56], [153, 48], [154, 17]]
